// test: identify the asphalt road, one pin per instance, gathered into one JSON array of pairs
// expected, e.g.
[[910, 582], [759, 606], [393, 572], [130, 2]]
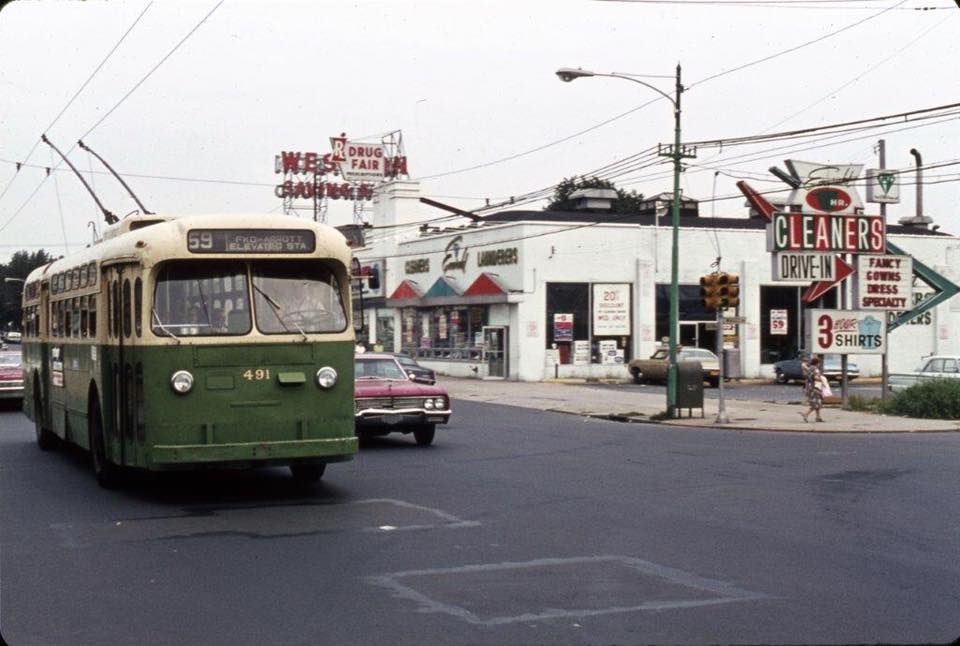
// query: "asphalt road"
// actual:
[[515, 527]]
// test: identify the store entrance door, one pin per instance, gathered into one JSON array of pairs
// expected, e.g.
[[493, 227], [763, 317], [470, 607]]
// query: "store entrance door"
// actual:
[[495, 351], [699, 334]]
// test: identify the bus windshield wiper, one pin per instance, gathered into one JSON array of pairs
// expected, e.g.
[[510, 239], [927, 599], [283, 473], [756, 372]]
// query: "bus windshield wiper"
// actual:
[[160, 325], [276, 311]]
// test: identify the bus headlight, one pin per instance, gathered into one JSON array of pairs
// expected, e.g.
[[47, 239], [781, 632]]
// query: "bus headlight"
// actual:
[[326, 377], [181, 382]]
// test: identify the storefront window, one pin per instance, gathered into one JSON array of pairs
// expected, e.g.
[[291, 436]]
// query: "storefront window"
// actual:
[[385, 333], [781, 320], [450, 332], [589, 323]]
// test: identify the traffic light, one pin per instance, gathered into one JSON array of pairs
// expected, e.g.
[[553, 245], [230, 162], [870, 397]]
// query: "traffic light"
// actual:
[[710, 291], [730, 290], [720, 290]]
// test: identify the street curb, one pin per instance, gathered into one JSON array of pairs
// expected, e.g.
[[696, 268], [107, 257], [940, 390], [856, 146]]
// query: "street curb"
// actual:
[[705, 424]]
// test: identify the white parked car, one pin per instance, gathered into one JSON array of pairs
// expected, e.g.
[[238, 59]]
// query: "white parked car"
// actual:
[[935, 367]]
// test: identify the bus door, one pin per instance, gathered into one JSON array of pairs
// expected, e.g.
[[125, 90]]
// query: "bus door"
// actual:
[[41, 398], [124, 408]]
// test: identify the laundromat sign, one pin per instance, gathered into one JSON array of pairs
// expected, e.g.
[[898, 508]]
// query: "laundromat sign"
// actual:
[[846, 332]]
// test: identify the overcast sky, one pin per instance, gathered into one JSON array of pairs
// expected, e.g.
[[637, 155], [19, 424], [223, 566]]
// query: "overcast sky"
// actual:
[[467, 83]]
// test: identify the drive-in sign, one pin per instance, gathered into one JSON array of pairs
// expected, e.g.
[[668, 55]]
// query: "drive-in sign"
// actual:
[[803, 266], [846, 332]]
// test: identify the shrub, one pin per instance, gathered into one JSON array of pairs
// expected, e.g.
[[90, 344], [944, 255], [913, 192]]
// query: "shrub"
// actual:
[[861, 403], [936, 399]]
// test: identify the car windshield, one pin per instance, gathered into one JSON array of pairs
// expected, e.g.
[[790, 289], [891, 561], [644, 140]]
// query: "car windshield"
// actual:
[[10, 360], [407, 361], [376, 368], [660, 354]]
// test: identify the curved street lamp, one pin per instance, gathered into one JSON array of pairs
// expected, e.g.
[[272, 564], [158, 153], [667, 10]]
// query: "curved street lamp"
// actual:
[[568, 74]]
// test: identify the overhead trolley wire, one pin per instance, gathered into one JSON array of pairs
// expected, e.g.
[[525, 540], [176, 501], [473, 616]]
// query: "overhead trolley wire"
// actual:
[[77, 93], [117, 105]]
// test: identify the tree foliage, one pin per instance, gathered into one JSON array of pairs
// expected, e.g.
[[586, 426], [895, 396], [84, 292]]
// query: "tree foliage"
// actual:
[[626, 202], [19, 267]]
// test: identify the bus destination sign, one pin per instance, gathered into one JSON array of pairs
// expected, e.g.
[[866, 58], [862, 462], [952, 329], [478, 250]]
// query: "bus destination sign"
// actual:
[[251, 241]]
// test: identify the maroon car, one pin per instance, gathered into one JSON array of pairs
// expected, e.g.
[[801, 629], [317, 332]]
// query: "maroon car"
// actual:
[[387, 401], [11, 376]]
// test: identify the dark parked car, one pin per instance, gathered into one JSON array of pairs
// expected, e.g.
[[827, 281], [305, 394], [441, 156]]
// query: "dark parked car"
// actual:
[[414, 370], [387, 401], [790, 369]]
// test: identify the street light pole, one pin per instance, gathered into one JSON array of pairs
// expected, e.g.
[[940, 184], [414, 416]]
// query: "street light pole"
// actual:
[[677, 153]]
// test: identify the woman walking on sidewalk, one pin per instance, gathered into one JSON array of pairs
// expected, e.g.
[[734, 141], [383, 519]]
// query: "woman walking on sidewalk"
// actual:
[[813, 388]]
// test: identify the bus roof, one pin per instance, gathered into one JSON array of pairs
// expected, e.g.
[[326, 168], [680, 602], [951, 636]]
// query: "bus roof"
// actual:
[[149, 239]]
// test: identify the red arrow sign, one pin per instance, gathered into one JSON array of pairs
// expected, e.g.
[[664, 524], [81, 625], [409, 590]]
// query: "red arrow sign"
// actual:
[[840, 271], [757, 201]]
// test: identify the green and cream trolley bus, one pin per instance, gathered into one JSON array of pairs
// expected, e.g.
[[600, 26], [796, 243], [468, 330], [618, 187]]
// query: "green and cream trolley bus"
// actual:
[[195, 341]]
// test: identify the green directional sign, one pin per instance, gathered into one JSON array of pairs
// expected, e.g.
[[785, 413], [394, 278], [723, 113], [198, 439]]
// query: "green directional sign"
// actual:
[[943, 289]]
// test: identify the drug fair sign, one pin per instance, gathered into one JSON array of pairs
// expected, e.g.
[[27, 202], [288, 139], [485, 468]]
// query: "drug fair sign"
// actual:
[[885, 283], [846, 332]]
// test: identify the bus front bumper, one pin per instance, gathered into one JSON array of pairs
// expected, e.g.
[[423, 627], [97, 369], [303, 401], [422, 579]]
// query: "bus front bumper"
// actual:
[[252, 453]]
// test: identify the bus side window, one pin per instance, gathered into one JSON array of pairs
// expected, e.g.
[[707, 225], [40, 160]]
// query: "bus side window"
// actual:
[[138, 306], [126, 309], [92, 318], [115, 319], [83, 314], [76, 316], [67, 318]]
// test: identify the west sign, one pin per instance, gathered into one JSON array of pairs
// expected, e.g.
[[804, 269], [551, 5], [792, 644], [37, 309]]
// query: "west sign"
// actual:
[[824, 232], [804, 267]]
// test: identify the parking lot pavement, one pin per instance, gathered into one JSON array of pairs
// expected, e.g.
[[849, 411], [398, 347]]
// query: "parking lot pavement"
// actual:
[[632, 406]]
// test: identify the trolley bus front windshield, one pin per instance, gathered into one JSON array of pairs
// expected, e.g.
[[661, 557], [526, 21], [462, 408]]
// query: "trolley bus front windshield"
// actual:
[[211, 298]]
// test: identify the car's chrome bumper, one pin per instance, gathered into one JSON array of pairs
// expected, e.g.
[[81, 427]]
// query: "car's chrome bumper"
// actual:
[[400, 416]]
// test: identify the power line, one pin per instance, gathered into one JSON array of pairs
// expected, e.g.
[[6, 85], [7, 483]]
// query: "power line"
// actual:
[[79, 90], [862, 74], [795, 48], [117, 105], [539, 148], [839, 5]]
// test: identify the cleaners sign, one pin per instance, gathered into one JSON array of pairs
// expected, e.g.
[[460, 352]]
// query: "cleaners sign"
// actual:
[[846, 332], [885, 283], [791, 231]]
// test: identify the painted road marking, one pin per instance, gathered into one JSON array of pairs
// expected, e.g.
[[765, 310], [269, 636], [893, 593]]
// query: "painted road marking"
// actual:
[[504, 593]]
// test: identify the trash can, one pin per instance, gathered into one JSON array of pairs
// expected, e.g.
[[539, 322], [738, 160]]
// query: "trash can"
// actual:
[[690, 386], [731, 363]]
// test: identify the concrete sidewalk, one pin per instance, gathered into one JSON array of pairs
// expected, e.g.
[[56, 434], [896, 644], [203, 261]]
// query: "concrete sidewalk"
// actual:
[[632, 406]]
